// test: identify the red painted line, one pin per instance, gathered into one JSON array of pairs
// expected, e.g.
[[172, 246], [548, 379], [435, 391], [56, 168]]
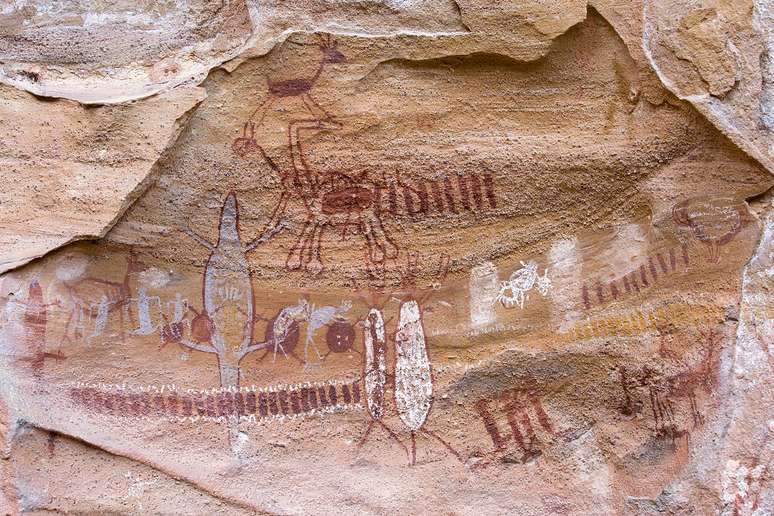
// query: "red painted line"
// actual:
[[345, 394], [332, 394], [437, 199], [356, 392], [282, 396], [489, 187], [295, 402], [464, 192], [449, 193], [644, 276]]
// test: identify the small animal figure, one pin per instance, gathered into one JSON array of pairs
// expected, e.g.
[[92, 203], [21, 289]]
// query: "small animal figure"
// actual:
[[515, 291], [320, 317], [282, 328], [114, 297]]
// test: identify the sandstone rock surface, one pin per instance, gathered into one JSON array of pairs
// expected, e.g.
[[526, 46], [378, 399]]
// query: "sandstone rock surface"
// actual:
[[375, 257]]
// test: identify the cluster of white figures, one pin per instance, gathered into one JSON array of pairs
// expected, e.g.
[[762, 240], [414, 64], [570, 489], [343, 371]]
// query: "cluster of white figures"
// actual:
[[516, 290]]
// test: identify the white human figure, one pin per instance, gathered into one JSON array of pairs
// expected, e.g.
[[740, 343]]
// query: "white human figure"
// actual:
[[143, 312]]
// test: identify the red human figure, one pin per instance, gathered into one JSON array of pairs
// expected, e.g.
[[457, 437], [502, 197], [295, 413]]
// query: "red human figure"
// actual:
[[35, 322]]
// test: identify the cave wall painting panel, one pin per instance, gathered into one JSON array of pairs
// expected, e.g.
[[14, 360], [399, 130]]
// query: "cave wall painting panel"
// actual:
[[317, 270]]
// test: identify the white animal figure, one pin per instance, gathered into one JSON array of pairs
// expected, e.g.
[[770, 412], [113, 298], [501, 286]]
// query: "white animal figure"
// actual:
[[319, 317], [284, 322], [515, 291]]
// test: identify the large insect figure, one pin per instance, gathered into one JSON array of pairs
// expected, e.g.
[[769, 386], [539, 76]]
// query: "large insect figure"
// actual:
[[375, 376], [412, 377]]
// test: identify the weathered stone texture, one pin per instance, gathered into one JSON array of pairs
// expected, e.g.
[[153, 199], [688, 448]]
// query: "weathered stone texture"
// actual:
[[376, 257]]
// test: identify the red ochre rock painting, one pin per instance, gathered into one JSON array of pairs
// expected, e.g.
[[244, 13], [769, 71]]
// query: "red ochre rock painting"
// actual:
[[248, 403], [620, 154]]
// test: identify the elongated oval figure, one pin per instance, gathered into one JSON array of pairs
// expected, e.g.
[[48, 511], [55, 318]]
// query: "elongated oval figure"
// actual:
[[375, 363], [35, 327], [413, 379], [375, 374]]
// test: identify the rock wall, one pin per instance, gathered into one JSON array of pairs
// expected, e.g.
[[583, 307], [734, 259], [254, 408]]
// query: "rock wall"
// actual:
[[367, 257]]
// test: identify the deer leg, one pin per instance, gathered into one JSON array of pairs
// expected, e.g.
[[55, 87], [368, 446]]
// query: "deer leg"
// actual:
[[315, 109], [129, 314], [296, 256], [121, 322], [263, 107], [314, 263], [132, 319], [389, 249]]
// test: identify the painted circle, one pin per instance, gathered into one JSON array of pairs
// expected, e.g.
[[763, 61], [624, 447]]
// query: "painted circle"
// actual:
[[340, 337]]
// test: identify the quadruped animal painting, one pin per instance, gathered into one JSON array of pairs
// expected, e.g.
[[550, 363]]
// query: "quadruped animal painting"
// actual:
[[317, 276]]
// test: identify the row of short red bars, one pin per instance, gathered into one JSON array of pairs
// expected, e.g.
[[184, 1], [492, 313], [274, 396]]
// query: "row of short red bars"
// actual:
[[417, 199], [284, 402], [630, 280]]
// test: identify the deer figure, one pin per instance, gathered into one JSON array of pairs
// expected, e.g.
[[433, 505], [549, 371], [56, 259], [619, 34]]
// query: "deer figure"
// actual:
[[116, 294], [335, 200], [299, 87], [701, 375], [663, 390]]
